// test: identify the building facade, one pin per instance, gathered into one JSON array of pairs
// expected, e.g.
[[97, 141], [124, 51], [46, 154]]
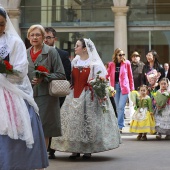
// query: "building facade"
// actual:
[[127, 24]]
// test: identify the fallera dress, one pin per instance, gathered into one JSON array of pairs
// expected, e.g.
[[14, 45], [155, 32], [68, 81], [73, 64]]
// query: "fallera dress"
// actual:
[[22, 144], [142, 120], [162, 119], [85, 128]]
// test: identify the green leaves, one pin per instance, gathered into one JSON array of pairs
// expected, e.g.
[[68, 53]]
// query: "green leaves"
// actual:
[[99, 85]]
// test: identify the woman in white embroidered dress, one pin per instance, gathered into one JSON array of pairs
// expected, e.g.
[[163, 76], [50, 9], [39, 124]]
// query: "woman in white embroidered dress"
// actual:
[[85, 128], [22, 144]]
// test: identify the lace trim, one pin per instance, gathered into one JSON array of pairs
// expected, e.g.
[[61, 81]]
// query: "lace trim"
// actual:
[[163, 120], [14, 118], [4, 51], [81, 66]]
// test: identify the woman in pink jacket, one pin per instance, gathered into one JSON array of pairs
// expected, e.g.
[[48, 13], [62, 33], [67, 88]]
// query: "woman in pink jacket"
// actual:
[[121, 78]]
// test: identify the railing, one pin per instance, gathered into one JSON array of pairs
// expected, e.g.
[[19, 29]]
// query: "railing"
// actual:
[[62, 16]]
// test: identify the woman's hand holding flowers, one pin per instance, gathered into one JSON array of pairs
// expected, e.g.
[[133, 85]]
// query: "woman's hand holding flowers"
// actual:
[[36, 81], [40, 73]]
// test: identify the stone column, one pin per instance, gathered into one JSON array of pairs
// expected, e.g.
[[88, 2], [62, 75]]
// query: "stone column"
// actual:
[[14, 15], [120, 24], [12, 8]]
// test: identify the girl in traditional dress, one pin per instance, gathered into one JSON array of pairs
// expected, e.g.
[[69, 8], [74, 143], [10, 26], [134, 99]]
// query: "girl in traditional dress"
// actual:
[[142, 120], [162, 114], [85, 128]]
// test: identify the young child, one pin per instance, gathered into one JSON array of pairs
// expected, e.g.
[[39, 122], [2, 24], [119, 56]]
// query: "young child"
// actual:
[[152, 88], [162, 113], [143, 120]]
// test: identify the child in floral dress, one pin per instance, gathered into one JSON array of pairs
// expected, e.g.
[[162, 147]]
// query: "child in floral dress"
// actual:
[[162, 113], [143, 120]]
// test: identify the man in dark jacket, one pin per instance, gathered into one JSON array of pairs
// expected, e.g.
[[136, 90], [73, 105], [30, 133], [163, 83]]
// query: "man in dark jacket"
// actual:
[[50, 39], [137, 67]]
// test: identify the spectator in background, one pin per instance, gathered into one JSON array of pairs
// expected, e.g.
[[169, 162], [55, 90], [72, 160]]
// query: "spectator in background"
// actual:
[[121, 78], [50, 39], [152, 64], [166, 68], [137, 67]]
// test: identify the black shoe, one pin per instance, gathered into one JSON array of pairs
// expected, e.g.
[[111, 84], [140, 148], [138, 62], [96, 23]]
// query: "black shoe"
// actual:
[[52, 156], [74, 156], [87, 156]]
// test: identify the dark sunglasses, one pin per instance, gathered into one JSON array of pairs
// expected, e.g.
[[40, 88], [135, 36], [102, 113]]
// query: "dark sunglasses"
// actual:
[[120, 55], [136, 56]]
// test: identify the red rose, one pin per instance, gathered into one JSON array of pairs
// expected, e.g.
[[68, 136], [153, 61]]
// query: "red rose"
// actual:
[[42, 69], [8, 65]]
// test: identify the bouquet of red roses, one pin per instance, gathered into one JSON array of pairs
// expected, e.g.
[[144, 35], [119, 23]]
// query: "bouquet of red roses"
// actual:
[[6, 67], [40, 71]]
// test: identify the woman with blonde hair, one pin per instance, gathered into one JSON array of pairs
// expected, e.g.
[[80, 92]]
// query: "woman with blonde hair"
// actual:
[[121, 78], [40, 54]]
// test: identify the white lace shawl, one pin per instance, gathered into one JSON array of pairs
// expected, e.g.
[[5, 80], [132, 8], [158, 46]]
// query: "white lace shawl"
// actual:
[[14, 116]]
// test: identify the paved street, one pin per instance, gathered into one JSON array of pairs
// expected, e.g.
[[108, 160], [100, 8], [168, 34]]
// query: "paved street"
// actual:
[[131, 155]]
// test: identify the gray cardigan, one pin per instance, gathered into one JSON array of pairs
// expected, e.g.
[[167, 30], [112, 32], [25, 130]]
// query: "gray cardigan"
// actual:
[[50, 59]]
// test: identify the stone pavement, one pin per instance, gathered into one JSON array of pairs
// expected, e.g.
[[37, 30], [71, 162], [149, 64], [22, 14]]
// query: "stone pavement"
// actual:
[[131, 155]]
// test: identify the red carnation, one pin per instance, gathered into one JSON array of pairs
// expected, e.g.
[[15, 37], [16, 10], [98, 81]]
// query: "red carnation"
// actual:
[[8, 65], [42, 69]]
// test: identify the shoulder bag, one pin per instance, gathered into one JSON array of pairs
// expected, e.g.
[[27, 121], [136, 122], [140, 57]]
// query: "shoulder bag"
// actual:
[[59, 88]]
